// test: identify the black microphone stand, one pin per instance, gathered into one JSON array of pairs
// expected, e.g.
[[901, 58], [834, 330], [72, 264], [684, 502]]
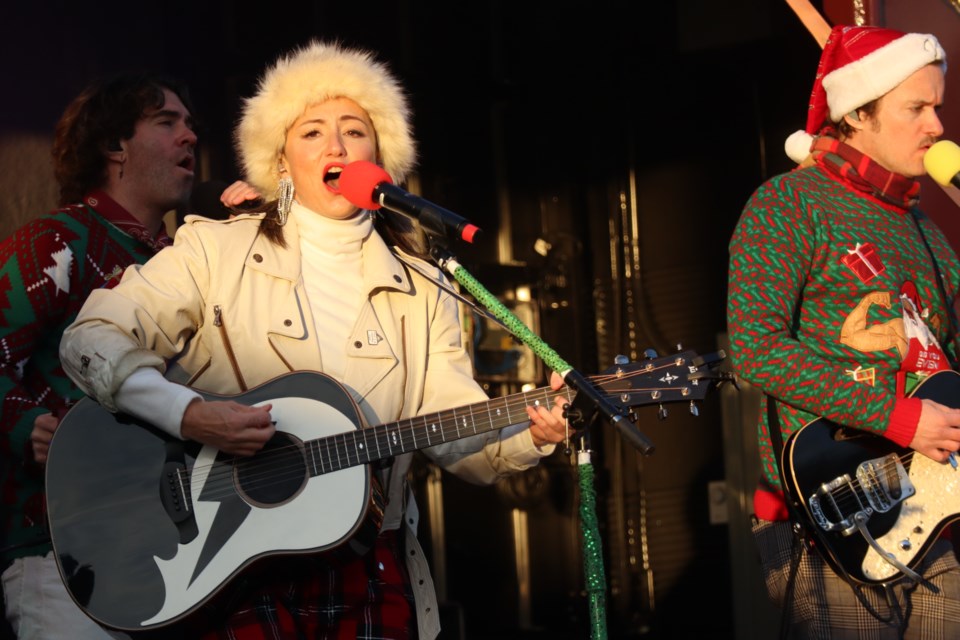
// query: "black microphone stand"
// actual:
[[587, 406]]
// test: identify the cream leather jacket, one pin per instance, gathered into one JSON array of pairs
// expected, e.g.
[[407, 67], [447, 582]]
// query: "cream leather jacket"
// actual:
[[226, 309]]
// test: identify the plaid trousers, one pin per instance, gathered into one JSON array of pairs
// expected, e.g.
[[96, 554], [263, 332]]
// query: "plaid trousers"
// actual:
[[825, 607]]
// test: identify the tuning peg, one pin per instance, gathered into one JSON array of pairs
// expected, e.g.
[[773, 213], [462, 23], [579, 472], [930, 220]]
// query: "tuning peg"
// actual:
[[662, 412], [650, 354], [694, 409], [621, 359], [679, 347]]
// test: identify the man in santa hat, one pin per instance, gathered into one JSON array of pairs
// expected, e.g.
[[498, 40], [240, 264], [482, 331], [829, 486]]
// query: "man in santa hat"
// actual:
[[841, 295]]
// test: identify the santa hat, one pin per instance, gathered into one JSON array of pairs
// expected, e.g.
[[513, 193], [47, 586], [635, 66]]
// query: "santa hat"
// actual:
[[858, 65], [309, 76]]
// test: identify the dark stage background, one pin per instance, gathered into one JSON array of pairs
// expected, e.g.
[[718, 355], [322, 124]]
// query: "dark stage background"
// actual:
[[606, 148]]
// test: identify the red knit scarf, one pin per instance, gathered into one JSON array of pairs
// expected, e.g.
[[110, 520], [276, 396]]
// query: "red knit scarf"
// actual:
[[843, 160]]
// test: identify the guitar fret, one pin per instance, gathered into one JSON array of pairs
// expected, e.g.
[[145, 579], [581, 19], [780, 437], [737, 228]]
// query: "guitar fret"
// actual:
[[535, 403], [356, 449], [499, 411], [376, 441], [426, 430], [313, 458], [413, 432], [386, 440], [430, 425], [338, 463], [455, 423], [318, 453], [364, 446], [337, 451], [472, 419], [346, 450]]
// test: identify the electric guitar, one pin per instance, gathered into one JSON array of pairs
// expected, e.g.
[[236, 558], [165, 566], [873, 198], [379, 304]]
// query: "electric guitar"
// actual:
[[874, 508], [146, 529]]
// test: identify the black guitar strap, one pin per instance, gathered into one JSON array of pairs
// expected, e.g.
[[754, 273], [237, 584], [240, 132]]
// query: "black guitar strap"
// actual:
[[801, 541]]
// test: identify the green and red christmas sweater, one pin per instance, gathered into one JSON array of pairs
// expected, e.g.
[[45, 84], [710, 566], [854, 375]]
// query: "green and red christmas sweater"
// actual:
[[833, 306], [47, 269]]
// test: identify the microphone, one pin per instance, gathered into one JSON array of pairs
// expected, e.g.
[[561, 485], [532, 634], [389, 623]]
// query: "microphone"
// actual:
[[942, 162], [368, 186]]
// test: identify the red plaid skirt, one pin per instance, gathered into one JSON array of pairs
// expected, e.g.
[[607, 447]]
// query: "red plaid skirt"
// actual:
[[336, 595]]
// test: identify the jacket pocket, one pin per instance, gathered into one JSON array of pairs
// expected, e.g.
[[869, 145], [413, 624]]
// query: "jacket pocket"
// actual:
[[227, 347]]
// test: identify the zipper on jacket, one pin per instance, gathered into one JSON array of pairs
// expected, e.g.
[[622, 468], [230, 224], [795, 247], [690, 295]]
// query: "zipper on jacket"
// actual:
[[218, 322]]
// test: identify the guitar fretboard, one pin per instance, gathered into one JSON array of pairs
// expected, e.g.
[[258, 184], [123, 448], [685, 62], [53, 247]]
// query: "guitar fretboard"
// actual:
[[332, 453]]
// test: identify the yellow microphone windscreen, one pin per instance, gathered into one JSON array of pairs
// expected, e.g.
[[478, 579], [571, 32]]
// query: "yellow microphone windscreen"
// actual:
[[942, 161]]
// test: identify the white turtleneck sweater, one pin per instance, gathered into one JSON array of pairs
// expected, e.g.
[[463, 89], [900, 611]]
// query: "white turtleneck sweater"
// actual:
[[332, 267]]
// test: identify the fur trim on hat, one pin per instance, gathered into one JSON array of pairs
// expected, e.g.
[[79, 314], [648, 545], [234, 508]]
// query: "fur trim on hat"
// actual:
[[879, 72], [309, 76]]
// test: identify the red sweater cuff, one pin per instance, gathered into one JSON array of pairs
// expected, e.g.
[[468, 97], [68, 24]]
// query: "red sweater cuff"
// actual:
[[904, 420], [770, 505]]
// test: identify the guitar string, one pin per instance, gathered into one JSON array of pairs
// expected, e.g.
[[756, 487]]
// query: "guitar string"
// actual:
[[221, 477]]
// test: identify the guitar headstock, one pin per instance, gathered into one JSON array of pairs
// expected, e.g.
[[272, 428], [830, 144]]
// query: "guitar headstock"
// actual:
[[681, 377]]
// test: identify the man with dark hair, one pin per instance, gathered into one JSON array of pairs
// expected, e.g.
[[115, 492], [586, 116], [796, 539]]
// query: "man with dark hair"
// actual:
[[123, 157], [841, 301]]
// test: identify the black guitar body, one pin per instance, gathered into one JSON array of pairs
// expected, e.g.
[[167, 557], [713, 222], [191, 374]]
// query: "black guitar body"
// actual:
[[116, 501], [904, 499]]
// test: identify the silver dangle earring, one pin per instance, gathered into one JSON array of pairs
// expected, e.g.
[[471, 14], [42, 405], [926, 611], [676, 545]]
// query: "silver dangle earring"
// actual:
[[284, 197]]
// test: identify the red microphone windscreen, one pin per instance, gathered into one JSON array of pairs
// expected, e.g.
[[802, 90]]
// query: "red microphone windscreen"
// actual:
[[358, 180]]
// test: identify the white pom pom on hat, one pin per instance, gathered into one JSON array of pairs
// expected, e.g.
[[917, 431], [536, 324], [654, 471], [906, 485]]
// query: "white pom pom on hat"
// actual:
[[859, 65], [798, 146]]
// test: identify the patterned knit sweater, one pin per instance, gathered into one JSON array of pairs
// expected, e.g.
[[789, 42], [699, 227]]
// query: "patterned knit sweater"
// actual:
[[832, 296], [47, 269]]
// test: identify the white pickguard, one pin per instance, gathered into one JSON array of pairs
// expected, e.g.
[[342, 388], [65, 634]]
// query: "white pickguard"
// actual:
[[323, 513], [937, 497]]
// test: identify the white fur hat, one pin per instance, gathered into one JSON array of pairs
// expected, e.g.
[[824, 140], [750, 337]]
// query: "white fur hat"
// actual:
[[309, 76], [859, 65]]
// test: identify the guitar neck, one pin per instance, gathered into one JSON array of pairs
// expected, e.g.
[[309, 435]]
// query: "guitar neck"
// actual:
[[364, 446]]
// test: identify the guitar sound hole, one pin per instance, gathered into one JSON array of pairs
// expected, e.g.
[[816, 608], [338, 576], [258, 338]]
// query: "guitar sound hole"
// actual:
[[275, 475]]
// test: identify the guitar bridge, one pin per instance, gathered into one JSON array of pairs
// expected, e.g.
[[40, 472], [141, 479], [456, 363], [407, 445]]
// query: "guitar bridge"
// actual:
[[844, 504]]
